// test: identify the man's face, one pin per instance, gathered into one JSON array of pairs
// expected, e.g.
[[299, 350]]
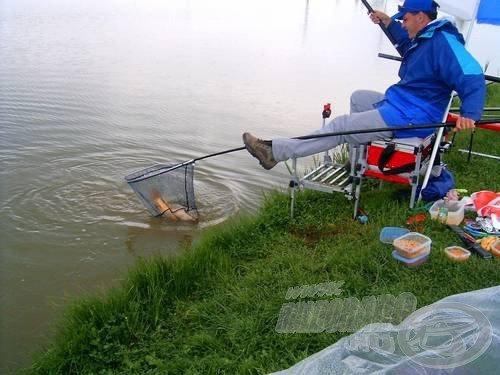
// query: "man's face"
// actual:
[[412, 23]]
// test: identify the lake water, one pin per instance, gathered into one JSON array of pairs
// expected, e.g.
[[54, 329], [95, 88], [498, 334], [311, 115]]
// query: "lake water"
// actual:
[[93, 90]]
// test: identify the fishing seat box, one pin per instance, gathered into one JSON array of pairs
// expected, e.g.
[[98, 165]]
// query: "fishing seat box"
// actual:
[[402, 159]]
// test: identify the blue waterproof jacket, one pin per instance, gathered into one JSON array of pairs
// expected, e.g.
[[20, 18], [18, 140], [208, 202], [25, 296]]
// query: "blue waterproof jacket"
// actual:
[[434, 63]]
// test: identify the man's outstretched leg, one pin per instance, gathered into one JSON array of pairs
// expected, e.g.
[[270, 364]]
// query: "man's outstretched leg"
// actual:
[[269, 153]]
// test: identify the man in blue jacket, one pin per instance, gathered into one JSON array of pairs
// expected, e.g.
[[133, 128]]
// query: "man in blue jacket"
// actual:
[[434, 63]]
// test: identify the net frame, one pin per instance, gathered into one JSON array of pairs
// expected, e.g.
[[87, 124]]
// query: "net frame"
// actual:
[[162, 188]]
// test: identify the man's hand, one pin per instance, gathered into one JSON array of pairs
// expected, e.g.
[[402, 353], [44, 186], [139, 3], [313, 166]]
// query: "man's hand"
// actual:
[[380, 17], [464, 123]]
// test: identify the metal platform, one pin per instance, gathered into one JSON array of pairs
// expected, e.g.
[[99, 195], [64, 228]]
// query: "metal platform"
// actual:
[[328, 178]]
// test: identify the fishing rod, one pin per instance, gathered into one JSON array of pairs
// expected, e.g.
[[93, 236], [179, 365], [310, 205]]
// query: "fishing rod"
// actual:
[[450, 124], [478, 123], [398, 58], [384, 29]]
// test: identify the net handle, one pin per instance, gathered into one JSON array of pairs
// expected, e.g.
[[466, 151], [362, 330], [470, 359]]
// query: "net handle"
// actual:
[[192, 161], [219, 153]]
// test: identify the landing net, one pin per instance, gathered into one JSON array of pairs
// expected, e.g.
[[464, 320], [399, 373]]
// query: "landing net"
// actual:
[[166, 190]]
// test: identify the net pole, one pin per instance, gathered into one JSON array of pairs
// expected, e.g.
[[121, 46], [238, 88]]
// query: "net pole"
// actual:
[[346, 132], [219, 153]]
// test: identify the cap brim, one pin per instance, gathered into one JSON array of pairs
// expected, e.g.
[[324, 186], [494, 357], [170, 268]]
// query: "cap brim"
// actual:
[[399, 15]]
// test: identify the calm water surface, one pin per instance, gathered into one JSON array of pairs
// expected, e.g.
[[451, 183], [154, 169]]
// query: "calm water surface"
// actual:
[[91, 91]]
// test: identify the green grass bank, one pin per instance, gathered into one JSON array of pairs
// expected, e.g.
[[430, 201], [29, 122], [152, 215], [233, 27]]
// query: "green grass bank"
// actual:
[[214, 309]]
